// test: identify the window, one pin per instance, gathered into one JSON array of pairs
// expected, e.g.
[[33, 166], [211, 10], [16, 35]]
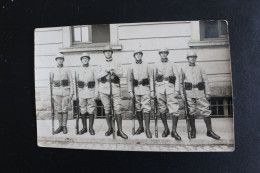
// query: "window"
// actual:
[[91, 34], [215, 29], [221, 106], [209, 33], [100, 109]]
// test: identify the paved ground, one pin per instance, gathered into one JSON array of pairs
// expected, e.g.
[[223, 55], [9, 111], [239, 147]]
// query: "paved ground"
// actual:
[[222, 126]]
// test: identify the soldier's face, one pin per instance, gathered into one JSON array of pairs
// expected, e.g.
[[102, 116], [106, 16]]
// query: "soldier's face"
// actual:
[[192, 59], [138, 56], [85, 60], [163, 54], [60, 61], [108, 54]]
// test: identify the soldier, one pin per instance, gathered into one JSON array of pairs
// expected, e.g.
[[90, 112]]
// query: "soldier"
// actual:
[[113, 68], [62, 92], [198, 93], [143, 89], [167, 92], [86, 83]]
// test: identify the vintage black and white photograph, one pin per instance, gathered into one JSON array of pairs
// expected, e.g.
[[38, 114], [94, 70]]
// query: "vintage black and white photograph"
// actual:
[[151, 86]]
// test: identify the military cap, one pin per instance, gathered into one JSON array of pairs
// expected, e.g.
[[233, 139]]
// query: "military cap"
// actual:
[[59, 55], [163, 50], [138, 51], [85, 54], [107, 48], [191, 54]]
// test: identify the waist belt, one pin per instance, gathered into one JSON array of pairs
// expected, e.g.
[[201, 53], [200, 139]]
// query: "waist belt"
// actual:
[[189, 86], [171, 79], [143, 82], [116, 80], [58, 83], [90, 84]]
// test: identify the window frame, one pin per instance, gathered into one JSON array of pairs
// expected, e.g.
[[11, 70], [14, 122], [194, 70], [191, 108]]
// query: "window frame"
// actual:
[[198, 36], [220, 35], [89, 34]]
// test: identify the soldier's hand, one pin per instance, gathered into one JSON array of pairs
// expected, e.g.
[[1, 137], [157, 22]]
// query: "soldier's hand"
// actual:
[[207, 96], [108, 69], [152, 94], [131, 94], [96, 95], [182, 97], [177, 95], [71, 96], [112, 71]]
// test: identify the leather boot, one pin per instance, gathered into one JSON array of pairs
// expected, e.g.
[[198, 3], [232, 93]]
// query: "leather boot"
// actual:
[[174, 133], [84, 123], [91, 122], [119, 126], [109, 123], [193, 127], [64, 122], [141, 124], [166, 131], [147, 125], [60, 128], [210, 133]]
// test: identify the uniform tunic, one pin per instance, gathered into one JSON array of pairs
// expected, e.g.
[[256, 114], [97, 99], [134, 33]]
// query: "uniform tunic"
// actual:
[[195, 97], [104, 88], [142, 93], [87, 95], [61, 94], [165, 90]]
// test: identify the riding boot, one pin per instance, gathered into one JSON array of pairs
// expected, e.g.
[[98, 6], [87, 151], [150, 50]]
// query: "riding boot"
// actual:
[[147, 125], [84, 123], [166, 131], [109, 123], [119, 126], [193, 127], [174, 133], [210, 133], [64, 122], [91, 122], [141, 124], [60, 128]]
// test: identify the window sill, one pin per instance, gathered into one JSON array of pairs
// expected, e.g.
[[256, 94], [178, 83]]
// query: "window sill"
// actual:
[[89, 47], [209, 42]]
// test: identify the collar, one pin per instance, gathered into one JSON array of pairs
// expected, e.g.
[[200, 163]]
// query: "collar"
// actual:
[[138, 62], [109, 60], [164, 59], [86, 65], [59, 66], [191, 65]]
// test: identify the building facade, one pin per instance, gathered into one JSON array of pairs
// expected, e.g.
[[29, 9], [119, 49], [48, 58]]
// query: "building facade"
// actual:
[[209, 39]]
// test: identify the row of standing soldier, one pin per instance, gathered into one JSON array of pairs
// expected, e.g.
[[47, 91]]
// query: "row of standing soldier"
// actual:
[[162, 82]]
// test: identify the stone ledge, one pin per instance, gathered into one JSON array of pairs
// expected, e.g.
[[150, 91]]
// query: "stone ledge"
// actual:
[[89, 47], [208, 43]]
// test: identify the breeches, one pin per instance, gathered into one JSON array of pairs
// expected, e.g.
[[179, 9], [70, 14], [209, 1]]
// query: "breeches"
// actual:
[[169, 101], [142, 103], [61, 103], [116, 102], [201, 103], [87, 106]]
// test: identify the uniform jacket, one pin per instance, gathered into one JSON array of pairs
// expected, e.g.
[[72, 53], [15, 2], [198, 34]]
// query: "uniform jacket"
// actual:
[[167, 69], [101, 72], [141, 71], [86, 74], [194, 75], [58, 74]]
